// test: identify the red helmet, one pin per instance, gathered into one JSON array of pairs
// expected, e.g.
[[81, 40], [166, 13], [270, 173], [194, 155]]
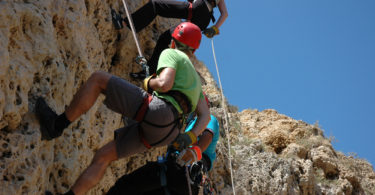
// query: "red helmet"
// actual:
[[188, 34]]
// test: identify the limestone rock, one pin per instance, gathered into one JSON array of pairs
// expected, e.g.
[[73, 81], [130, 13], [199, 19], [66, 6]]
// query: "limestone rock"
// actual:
[[49, 48]]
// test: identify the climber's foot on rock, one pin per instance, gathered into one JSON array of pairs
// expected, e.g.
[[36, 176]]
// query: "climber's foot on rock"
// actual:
[[47, 193], [47, 118], [117, 20]]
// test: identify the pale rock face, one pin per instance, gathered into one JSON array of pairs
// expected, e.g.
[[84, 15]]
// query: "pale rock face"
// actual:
[[322, 158], [50, 48], [294, 149], [309, 160]]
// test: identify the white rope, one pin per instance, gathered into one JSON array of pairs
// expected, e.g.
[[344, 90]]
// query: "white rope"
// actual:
[[226, 116], [132, 28], [142, 59]]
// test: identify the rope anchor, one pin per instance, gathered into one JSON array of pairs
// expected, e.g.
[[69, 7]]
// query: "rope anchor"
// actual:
[[143, 62]]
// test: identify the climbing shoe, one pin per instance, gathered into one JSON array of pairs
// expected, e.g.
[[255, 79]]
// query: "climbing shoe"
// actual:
[[47, 118], [47, 193], [138, 75], [116, 20]]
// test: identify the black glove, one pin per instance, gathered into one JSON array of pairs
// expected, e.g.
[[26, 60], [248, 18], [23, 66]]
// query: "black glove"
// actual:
[[184, 140], [211, 32]]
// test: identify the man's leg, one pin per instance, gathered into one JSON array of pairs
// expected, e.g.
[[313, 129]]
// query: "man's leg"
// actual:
[[52, 125], [87, 95], [94, 173], [142, 17], [165, 8], [162, 43], [171, 8]]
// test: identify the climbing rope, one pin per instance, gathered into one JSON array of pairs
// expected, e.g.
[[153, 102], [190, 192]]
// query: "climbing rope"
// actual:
[[225, 116], [140, 59]]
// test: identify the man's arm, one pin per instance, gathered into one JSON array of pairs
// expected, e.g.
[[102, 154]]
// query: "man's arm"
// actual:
[[214, 30], [190, 155], [223, 13], [164, 82], [205, 140], [203, 117]]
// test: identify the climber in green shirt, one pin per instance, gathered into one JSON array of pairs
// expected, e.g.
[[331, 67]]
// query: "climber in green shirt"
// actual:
[[190, 86], [158, 108]]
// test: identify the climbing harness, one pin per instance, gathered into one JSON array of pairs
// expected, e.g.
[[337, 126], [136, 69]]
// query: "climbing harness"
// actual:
[[140, 59], [182, 100], [209, 7], [140, 115], [225, 116]]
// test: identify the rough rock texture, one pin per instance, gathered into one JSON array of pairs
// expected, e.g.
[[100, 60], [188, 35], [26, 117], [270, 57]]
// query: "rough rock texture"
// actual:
[[275, 154], [49, 48]]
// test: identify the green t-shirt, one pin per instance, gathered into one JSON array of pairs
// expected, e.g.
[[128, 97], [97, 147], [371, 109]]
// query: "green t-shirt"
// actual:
[[186, 81]]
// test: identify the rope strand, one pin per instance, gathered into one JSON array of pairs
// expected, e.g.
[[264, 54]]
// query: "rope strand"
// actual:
[[225, 117], [132, 28], [141, 58]]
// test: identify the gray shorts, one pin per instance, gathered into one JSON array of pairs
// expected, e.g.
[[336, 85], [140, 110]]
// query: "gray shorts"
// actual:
[[126, 98]]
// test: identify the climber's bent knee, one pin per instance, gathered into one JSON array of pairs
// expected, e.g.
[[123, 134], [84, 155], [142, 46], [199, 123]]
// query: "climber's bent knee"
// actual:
[[106, 154], [123, 97], [100, 79]]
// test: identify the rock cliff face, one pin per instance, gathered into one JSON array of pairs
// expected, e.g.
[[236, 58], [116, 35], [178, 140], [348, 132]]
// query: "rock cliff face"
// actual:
[[49, 48]]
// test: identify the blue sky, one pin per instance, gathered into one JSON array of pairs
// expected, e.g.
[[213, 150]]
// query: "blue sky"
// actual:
[[312, 60]]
